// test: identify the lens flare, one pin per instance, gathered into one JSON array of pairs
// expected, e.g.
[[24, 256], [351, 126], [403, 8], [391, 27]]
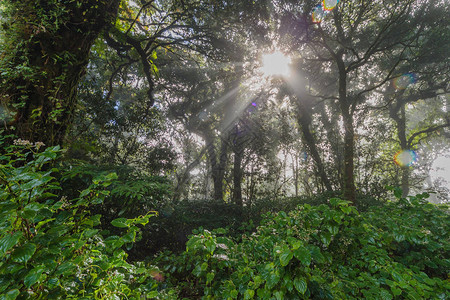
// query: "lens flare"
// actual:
[[405, 158], [203, 116], [317, 14], [252, 107], [330, 4], [403, 81], [304, 156]]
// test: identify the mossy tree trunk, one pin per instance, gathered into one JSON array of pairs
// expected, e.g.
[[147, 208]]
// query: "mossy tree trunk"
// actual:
[[44, 58]]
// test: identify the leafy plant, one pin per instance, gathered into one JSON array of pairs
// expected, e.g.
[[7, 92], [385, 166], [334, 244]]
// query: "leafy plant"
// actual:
[[331, 251], [49, 244]]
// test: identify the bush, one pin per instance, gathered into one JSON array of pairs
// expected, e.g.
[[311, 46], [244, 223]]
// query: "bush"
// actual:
[[49, 246], [332, 251]]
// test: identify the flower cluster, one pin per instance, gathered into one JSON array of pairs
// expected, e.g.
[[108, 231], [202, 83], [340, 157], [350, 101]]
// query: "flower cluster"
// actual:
[[26, 143]]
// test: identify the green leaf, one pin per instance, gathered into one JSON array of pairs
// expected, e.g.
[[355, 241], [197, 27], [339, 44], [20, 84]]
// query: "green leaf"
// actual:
[[210, 246], [249, 294], [346, 209], [234, 293], [316, 254], [204, 266], [11, 295], [120, 222], [385, 295], [273, 279], [90, 232], [33, 276], [24, 253], [9, 241], [31, 210], [53, 282], [303, 255], [333, 229], [325, 237], [398, 236], [279, 295], [397, 277], [209, 277], [285, 257], [65, 268], [263, 294], [398, 192], [129, 237], [414, 296], [396, 291], [296, 244], [300, 285], [152, 294]]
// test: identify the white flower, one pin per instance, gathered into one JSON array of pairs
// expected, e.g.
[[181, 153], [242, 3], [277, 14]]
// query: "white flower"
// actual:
[[221, 256], [21, 142], [223, 246], [39, 144]]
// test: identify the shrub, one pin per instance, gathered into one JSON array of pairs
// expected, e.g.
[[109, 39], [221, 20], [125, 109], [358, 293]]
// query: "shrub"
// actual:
[[49, 246], [332, 251]]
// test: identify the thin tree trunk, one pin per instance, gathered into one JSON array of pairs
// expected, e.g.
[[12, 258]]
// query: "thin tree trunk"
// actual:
[[304, 120], [238, 147], [349, 187], [401, 134], [349, 146], [217, 166]]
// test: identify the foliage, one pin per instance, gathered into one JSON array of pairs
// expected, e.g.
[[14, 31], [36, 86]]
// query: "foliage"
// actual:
[[49, 246], [129, 195], [332, 251], [177, 220]]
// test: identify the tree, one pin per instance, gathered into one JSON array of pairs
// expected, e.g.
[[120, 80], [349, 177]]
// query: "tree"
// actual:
[[47, 46], [353, 43], [44, 56]]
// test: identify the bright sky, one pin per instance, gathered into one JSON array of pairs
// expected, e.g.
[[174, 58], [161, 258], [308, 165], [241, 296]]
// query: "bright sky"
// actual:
[[441, 169], [275, 63]]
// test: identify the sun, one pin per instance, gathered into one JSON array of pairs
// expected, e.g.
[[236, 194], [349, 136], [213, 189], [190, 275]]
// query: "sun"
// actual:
[[275, 64]]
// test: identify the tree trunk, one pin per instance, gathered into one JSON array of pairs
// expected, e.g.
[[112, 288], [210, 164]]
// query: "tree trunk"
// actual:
[[238, 147], [304, 120], [46, 61], [401, 134], [217, 166], [349, 146], [349, 187]]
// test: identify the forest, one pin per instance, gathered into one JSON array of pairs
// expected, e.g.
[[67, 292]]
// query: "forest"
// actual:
[[232, 149]]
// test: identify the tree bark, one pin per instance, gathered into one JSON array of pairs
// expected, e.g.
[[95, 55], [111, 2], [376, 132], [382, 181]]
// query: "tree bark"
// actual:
[[238, 147], [47, 59], [304, 120], [217, 166], [349, 146], [349, 188], [401, 134]]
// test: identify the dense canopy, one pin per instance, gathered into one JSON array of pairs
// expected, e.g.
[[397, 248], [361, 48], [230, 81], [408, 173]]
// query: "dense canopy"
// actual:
[[313, 134]]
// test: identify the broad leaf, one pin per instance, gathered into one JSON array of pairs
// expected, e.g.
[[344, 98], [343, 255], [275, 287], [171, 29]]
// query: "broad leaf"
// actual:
[[285, 257], [120, 222], [9, 241], [33, 276], [300, 285], [10, 295], [24, 253], [385, 295], [303, 255]]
